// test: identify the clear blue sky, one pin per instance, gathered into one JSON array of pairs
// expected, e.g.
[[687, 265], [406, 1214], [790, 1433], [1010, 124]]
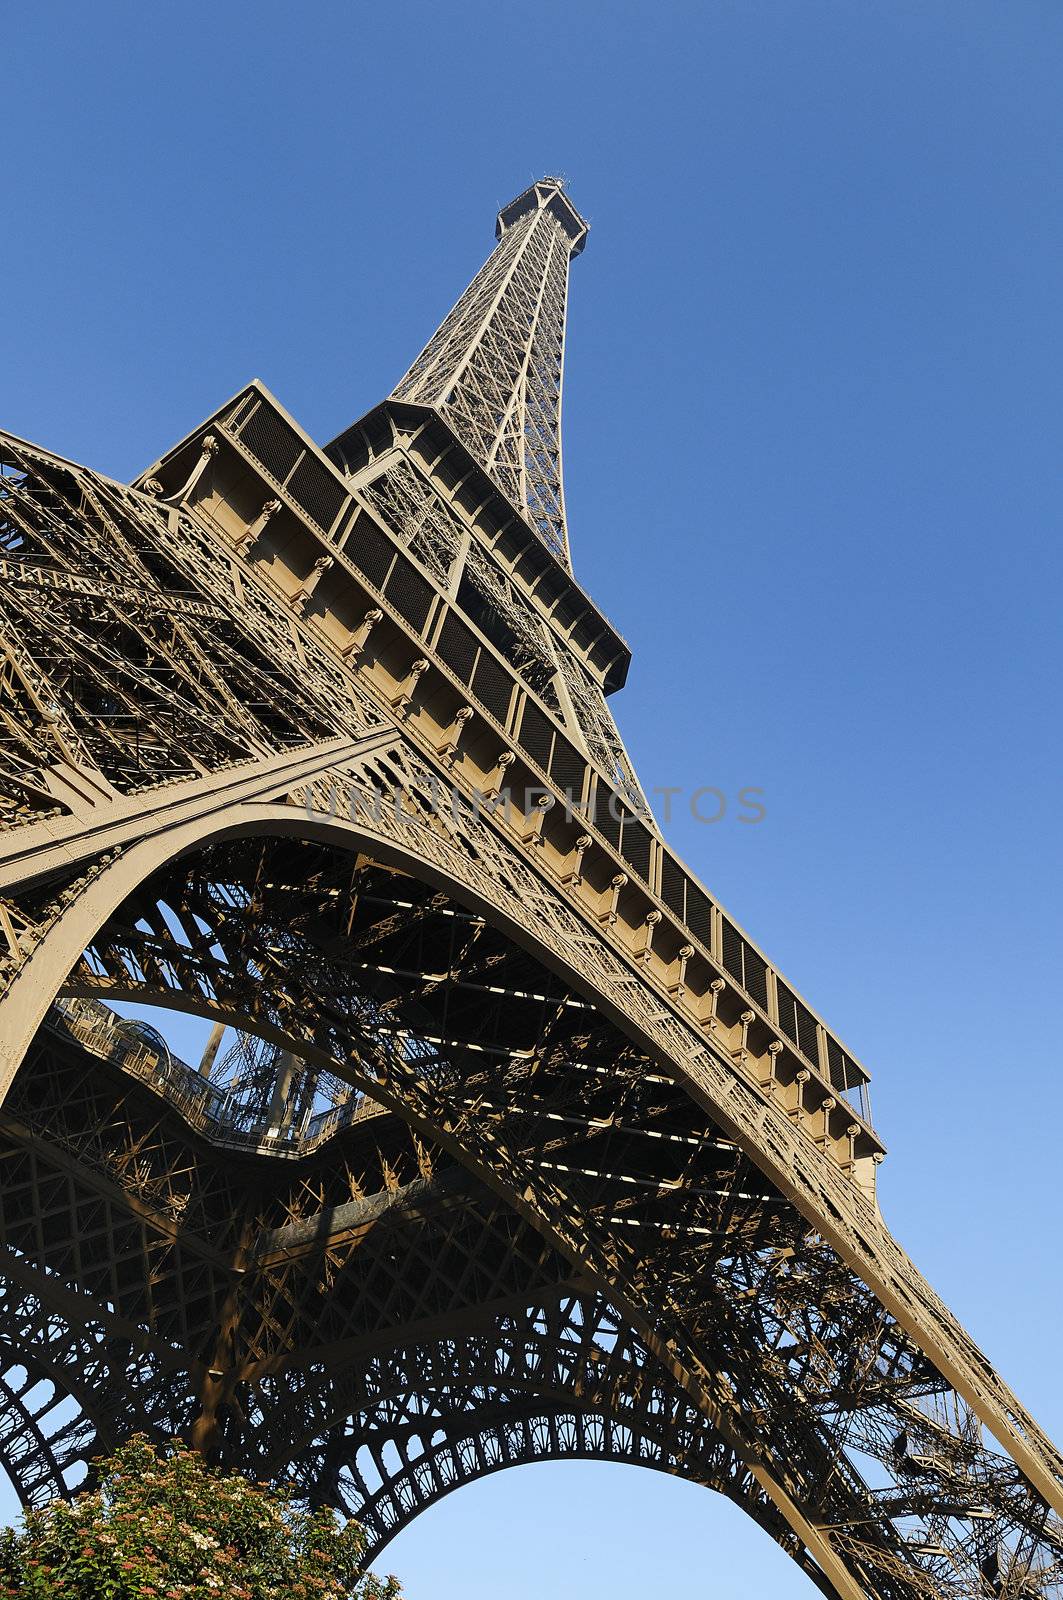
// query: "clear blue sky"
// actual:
[[813, 424]]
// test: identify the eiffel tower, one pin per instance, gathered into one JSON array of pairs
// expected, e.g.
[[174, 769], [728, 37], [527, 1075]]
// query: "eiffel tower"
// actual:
[[508, 1144]]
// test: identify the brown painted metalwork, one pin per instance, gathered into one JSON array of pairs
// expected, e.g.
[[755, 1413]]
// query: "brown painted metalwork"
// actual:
[[508, 1144]]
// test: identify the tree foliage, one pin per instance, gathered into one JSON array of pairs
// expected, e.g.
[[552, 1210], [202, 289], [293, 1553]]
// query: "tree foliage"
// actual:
[[162, 1524]]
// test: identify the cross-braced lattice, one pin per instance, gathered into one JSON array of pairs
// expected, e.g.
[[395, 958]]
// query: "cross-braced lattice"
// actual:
[[508, 1143]]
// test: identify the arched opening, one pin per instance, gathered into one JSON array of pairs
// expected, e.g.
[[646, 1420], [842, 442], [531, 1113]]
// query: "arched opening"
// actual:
[[581, 1530], [46, 1437], [523, 1141]]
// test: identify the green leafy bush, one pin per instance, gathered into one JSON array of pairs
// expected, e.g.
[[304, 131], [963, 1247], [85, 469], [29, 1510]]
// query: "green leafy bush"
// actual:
[[163, 1524]]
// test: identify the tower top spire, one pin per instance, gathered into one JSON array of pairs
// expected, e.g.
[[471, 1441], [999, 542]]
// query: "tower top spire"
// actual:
[[546, 194], [493, 370]]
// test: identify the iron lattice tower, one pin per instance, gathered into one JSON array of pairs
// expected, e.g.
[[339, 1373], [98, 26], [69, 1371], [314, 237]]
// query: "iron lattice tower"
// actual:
[[508, 1143]]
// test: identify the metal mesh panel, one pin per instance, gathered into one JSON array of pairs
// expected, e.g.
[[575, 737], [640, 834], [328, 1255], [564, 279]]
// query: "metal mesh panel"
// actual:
[[787, 1011], [745, 965], [457, 646], [317, 492], [699, 915], [756, 976], [493, 686], [635, 847], [271, 441], [607, 814], [536, 732], [806, 1032], [732, 950], [673, 885], [409, 593], [370, 550], [567, 767], [843, 1075], [797, 1022]]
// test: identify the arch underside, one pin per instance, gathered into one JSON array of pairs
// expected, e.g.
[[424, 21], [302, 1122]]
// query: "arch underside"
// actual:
[[382, 1386], [553, 1381], [44, 1437], [506, 1154], [562, 1380]]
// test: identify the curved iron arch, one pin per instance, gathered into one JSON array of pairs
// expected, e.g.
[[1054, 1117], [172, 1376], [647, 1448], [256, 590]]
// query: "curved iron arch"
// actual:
[[526, 1441], [49, 1416], [493, 1415], [839, 1539], [419, 1095], [37, 1465]]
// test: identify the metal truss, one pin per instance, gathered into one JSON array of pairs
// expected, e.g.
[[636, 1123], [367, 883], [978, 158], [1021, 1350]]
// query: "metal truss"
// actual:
[[411, 508], [717, 1263], [494, 368], [509, 1144]]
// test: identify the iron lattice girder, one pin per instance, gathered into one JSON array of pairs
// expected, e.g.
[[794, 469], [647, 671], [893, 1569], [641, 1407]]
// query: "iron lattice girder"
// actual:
[[493, 370], [585, 1181], [74, 827], [330, 1373], [730, 1273]]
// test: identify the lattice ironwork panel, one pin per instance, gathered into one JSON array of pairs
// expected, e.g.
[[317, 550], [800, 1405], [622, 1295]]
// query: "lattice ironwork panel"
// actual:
[[508, 1144]]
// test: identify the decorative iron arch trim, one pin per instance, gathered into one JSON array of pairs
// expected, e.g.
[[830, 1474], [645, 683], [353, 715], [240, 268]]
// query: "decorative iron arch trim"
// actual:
[[780, 1532]]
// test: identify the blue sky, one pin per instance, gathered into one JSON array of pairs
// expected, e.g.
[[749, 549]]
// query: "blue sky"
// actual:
[[813, 413]]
